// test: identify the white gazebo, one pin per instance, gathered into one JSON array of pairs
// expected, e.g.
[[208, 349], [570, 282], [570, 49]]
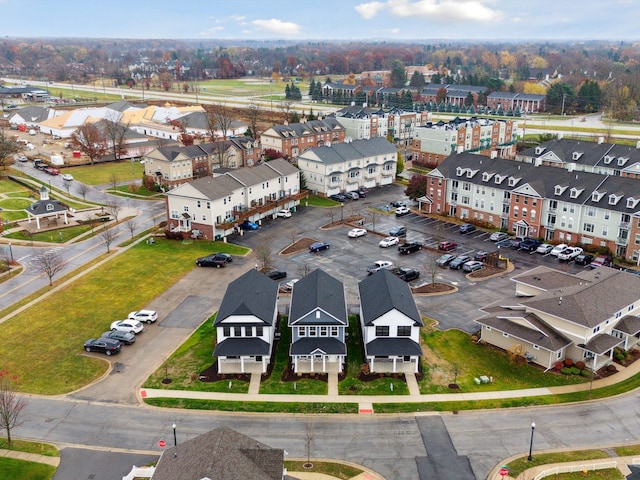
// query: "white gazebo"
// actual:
[[46, 208]]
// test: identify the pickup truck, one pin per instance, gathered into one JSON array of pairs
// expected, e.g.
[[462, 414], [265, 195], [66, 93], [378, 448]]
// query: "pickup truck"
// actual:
[[410, 247], [39, 164], [379, 265], [52, 170]]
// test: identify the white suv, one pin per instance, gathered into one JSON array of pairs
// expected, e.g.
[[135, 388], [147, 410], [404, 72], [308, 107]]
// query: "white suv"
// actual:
[[146, 316]]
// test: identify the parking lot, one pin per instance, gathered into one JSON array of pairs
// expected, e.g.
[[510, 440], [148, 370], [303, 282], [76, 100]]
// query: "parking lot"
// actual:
[[348, 258]]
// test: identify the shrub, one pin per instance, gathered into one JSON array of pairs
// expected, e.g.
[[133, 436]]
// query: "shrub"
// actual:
[[586, 373], [575, 371], [619, 357], [558, 366], [580, 365], [565, 371], [568, 362]]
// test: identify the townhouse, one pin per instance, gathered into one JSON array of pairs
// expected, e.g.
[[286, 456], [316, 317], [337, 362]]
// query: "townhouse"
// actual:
[[532, 199], [557, 316], [293, 139], [213, 207], [349, 166], [436, 141]]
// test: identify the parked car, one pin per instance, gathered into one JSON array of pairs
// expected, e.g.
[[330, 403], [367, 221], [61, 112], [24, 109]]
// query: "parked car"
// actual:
[[401, 211], [584, 259], [506, 243], [102, 345], [569, 253], [213, 260], [389, 241], [379, 265], [146, 316], [126, 338], [39, 164], [472, 266], [557, 249], [406, 274], [67, 176], [396, 204], [338, 197], [497, 236], [467, 228], [529, 244], [445, 259], [22, 158], [277, 275], [481, 256], [518, 241], [456, 263], [398, 231], [283, 213], [318, 246], [602, 261], [357, 232], [247, 225], [132, 326], [544, 249], [362, 193], [289, 285], [352, 195], [408, 248], [447, 245]]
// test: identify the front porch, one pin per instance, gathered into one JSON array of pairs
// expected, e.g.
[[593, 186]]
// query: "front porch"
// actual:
[[242, 365], [393, 365], [239, 215], [317, 364]]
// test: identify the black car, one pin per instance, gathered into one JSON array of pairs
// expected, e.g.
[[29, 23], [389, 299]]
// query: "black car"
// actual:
[[410, 247], [338, 197], [318, 246], [362, 193], [277, 275], [124, 337], [506, 243], [406, 274], [102, 345], [467, 228], [529, 244], [584, 259], [481, 256], [457, 262], [217, 260], [395, 204]]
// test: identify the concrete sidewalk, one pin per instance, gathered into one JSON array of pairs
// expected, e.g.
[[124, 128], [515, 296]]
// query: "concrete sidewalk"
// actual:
[[30, 457]]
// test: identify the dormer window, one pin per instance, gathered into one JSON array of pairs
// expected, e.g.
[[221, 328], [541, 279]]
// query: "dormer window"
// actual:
[[513, 181], [608, 159], [499, 178], [596, 196], [486, 176], [471, 173], [632, 202], [559, 189], [576, 155], [614, 199], [49, 207], [622, 161], [539, 150], [574, 192], [460, 171]]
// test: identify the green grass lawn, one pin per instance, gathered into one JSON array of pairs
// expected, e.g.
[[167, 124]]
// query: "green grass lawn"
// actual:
[[15, 203], [61, 235], [12, 216], [12, 469], [101, 173], [45, 449], [316, 201], [85, 309], [9, 186], [519, 465], [139, 191]]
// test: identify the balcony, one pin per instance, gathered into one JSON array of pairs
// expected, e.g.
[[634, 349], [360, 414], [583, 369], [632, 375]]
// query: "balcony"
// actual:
[[371, 175], [624, 225], [335, 183], [622, 240]]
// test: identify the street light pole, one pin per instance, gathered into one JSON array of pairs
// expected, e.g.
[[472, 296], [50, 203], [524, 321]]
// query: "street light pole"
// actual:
[[341, 210], [533, 427], [175, 439], [11, 253]]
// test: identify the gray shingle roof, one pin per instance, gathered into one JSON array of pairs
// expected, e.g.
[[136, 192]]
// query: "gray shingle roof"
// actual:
[[629, 325], [252, 294], [601, 343], [318, 299], [545, 278], [214, 188], [241, 346], [312, 127], [316, 345], [221, 454], [358, 149], [393, 346], [383, 292]]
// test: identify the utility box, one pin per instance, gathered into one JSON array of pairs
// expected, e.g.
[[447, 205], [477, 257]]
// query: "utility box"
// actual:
[[77, 154]]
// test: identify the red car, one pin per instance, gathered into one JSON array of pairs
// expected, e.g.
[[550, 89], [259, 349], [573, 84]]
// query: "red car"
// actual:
[[447, 245]]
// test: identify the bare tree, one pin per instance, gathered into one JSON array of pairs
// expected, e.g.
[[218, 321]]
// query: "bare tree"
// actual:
[[113, 208], [108, 235], [303, 269], [115, 133], [264, 258], [90, 141], [83, 189], [374, 215], [219, 121], [308, 440], [131, 225], [255, 115], [113, 180], [7, 148], [285, 107], [331, 213], [11, 406], [67, 186], [432, 265], [50, 263]]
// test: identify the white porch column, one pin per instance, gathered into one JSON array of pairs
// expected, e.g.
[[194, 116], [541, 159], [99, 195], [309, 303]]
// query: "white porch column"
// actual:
[[324, 363], [372, 364], [66, 221], [295, 364], [38, 222], [242, 364], [395, 360]]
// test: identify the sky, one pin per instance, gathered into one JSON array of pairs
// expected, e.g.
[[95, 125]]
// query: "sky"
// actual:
[[324, 19]]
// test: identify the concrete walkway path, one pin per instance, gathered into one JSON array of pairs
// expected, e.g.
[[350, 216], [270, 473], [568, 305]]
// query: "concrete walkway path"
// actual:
[[30, 457]]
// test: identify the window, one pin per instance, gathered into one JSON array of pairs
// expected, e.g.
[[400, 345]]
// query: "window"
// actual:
[[382, 331], [515, 212], [186, 208], [259, 331], [226, 331], [302, 331], [313, 331], [590, 212], [198, 203], [404, 331], [588, 227], [237, 331]]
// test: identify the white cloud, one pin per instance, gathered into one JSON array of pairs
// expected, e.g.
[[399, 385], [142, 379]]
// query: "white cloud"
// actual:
[[369, 10], [276, 26], [211, 31], [446, 10]]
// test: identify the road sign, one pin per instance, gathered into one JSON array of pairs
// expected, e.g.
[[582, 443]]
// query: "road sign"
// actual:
[[504, 471], [162, 444]]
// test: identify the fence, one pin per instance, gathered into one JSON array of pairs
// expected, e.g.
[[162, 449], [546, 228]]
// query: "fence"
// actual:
[[575, 468]]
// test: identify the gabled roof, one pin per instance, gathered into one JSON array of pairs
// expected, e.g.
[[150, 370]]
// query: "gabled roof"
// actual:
[[384, 292], [343, 152], [318, 299], [311, 127], [252, 294], [46, 207], [221, 454], [395, 346]]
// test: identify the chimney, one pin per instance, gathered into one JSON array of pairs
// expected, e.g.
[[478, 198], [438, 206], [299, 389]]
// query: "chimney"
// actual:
[[560, 136], [638, 145], [460, 149], [600, 140], [537, 162], [353, 104], [494, 154]]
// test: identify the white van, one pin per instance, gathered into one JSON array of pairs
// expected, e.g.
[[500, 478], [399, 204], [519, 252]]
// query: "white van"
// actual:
[[32, 132]]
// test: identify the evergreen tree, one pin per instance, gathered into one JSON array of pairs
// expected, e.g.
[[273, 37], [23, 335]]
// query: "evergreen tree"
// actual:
[[469, 100], [312, 87], [287, 92], [417, 80], [589, 97]]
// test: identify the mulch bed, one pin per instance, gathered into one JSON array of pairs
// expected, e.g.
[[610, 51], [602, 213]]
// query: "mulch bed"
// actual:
[[301, 245], [433, 288], [211, 375], [486, 271]]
